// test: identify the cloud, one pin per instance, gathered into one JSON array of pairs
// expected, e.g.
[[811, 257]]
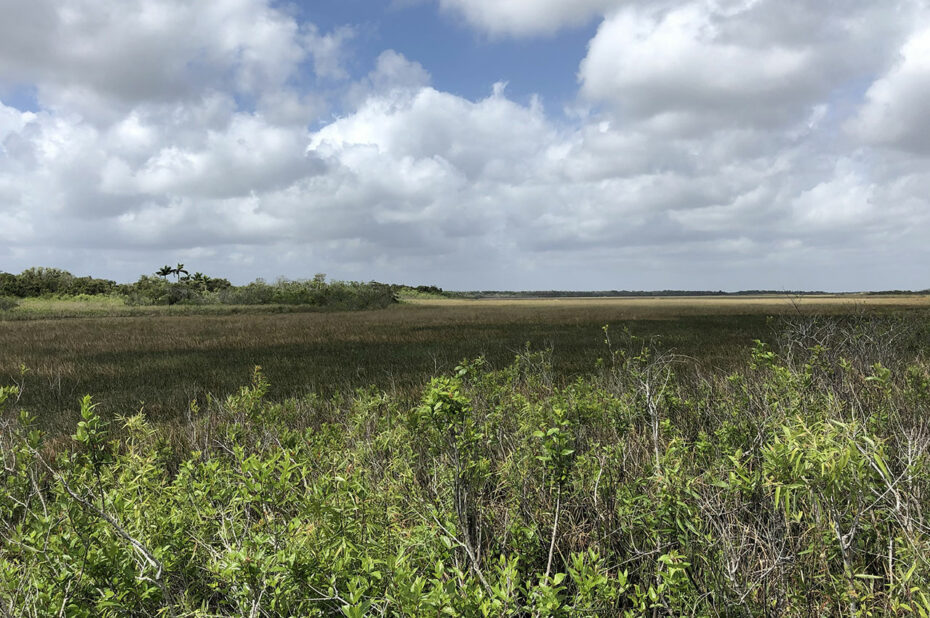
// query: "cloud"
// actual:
[[526, 17], [476, 170], [894, 113], [12, 120], [477, 138], [99, 58], [695, 66], [430, 166], [329, 50], [717, 144], [162, 123], [393, 71], [154, 158]]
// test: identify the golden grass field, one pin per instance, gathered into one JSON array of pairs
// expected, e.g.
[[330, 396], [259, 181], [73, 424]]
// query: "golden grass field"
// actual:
[[161, 358], [677, 306]]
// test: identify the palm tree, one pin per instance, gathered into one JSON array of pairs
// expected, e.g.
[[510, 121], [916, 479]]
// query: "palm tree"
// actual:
[[164, 271], [178, 270], [200, 279]]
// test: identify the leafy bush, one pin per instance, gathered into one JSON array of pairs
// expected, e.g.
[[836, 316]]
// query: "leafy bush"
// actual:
[[38, 281], [200, 289], [154, 291], [334, 295], [7, 303], [420, 291], [337, 295], [799, 485]]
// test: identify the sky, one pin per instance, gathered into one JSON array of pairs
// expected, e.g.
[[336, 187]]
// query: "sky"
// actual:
[[471, 144]]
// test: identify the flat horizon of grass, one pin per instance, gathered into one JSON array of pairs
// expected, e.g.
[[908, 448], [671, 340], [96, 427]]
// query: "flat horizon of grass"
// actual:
[[115, 306], [164, 357], [101, 306], [676, 306]]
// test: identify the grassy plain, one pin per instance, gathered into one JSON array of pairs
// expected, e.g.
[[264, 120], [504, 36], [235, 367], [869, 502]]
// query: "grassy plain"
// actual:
[[161, 358], [726, 479]]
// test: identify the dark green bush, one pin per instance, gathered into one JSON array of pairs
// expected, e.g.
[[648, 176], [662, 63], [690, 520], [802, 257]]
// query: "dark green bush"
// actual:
[[9, 285], [333, 295], [200, 289], [157, 291], [38, 281]]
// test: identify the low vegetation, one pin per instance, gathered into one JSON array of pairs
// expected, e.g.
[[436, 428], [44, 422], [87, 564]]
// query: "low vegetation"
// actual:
[[796, 483], [317, 293], [39, 281], [633, 293], [161, 357], [197, 289]]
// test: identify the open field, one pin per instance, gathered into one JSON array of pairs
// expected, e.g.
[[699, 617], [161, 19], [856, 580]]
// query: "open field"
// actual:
[[656, 307], [164, 357], [116, 307], [632, 307], [691, 472]]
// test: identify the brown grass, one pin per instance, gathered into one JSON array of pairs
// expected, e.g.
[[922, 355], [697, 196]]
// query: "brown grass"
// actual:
[[163, 362], [680, 306]]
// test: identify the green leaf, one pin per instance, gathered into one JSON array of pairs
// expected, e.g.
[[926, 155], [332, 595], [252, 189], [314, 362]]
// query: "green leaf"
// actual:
[[910, 572]]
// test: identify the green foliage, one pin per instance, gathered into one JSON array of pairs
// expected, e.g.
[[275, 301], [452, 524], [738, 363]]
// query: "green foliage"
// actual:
[[35, 282], [200, 289], [418, 292], [314, 293], [556, 449], [6, 392], [797, 485], [185, 291]]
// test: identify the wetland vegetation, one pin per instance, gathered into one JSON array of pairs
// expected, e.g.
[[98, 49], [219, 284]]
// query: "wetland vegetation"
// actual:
[[712, 456]]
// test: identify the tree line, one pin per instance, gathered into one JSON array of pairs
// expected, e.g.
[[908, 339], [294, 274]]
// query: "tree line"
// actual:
[[196, 289], [40, 281]]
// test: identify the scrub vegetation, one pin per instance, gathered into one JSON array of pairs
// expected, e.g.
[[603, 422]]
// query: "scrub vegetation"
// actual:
[[159, 358], [703, 461], [193, 290]]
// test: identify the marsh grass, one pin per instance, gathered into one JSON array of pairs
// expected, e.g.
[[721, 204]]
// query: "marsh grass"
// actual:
[[789, 479], [101, 306], [161, 358]]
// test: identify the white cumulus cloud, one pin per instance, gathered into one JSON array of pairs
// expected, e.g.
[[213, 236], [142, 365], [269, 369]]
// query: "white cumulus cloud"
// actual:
[[895, 111], [712, 143], [527, 17], [698, 65]]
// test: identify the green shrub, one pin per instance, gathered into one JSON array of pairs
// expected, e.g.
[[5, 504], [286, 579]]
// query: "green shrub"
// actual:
[[200, 289], [316, 293], [39, 281], [796, 486]]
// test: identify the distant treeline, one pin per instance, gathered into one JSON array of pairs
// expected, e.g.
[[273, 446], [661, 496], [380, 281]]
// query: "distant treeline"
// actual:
[[38, 281], [625, 293], [197, 289]]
